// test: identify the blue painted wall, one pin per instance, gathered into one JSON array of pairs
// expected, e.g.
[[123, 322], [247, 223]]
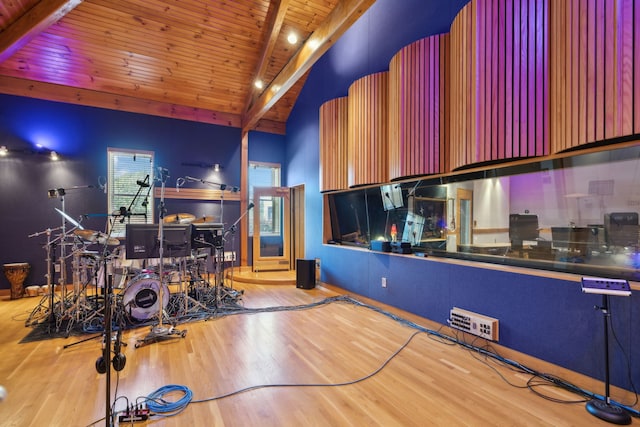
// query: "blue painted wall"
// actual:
[[546, 318], [82, 135]]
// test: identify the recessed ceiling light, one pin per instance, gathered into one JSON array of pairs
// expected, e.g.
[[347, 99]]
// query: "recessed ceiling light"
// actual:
[[258, 84], [292, 38]]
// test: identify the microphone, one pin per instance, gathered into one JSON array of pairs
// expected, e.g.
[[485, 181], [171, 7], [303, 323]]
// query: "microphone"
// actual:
[[144, 183], [251, 205]]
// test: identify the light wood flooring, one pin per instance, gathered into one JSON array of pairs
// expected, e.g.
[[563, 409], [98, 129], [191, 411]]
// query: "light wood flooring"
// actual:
[[429, 383]]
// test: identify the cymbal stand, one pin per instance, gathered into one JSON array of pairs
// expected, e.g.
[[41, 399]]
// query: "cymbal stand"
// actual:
[[108, 294], [78, 306], [161, 332], [44, 309]]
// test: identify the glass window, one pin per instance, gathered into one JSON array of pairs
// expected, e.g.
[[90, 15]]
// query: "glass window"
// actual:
[[125, 197], [576, 214], [263, 175]]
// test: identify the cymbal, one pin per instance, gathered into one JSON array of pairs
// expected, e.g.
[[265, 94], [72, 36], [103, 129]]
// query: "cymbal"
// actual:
[[96, 237], [203, 220], [179, 218]]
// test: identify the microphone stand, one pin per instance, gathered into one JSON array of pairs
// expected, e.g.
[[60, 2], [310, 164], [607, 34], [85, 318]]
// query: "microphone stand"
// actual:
[[104, 361], [161, 332], [232, 230], [126, 212], [605, 409]]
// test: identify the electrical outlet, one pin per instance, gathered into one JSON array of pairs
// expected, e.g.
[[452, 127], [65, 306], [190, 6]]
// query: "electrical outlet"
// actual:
[[474, 323], [384, 282]]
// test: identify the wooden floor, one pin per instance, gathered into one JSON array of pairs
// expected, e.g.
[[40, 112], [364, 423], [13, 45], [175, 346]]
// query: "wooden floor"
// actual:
[[427, 383]]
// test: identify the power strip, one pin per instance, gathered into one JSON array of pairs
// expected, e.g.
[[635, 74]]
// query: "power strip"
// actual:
[[134, 415], [474, 323]]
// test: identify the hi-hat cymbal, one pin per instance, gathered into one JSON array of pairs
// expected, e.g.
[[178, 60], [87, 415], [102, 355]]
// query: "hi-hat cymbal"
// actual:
[[203, 220], [179, 218], [96, 237]]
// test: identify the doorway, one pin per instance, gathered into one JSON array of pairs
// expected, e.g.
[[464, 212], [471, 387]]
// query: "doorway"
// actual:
[[464, 213]]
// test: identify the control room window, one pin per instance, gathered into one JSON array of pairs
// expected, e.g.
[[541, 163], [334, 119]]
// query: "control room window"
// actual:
[[125, 195], [262, 175]]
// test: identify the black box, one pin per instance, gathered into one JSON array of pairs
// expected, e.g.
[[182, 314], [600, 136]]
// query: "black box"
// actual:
[[401, 247], [305, 273]]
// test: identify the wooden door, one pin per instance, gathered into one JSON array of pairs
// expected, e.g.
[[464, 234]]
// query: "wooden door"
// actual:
[[271, 229]]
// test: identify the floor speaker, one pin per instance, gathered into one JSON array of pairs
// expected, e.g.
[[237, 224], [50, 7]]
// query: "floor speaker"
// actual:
[[305, 273]]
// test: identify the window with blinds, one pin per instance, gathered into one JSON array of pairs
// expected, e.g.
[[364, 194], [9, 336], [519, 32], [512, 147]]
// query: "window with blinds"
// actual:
[[262, 175], [126, 168]]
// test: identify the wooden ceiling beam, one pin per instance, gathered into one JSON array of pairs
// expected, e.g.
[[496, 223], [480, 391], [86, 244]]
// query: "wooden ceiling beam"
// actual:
[[44, 14], [52, 92], [275, 18], [341, 18]]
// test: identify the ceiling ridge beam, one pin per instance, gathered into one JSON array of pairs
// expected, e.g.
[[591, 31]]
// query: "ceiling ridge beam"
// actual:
[[40, 17], [328, 32], [275, 18]]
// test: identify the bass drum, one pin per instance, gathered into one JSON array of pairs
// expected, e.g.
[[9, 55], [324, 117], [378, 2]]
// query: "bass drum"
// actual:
[[141, 297]]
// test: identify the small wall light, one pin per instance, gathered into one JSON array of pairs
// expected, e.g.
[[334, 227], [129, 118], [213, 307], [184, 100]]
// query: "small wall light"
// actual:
[[54, 156], [4, 151]]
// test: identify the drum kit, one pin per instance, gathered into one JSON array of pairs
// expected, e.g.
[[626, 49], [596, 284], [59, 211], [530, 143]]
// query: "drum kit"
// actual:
[[145, 289]]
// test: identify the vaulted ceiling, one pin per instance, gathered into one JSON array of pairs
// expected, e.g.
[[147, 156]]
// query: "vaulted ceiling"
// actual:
[[189, 59]]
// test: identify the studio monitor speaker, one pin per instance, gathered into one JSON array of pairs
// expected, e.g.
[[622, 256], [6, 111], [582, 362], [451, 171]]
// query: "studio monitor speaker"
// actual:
[[305, 273]]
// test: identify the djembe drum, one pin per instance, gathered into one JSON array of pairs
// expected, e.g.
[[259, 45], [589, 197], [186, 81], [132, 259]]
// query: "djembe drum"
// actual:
[[16, 273]]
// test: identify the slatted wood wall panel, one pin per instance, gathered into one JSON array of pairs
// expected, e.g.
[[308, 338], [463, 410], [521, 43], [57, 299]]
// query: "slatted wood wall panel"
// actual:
[[499, 81], [595, 56], [368, 130], [418, 128], [333, 144]]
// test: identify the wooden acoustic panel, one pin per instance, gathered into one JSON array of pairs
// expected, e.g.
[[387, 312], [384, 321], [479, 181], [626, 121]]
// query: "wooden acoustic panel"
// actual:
[[595, 58], [333, 144], [368, 130], [418, 127], [499, 81]]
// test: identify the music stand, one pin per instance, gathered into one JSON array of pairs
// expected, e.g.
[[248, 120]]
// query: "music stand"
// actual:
[[606, 287]]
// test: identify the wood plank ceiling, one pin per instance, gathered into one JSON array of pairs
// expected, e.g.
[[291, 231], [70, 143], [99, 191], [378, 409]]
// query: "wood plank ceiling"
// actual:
[[188, 59]]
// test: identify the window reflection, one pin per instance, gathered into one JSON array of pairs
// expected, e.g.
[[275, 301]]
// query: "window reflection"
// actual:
[[576, 214]]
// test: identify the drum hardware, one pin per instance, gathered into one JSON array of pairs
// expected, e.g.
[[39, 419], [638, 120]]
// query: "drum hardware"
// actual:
[[48, 308], [44, 311]]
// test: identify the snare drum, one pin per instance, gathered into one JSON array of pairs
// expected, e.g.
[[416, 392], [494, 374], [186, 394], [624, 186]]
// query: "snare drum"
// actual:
[[16, 274], [141, 297]]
